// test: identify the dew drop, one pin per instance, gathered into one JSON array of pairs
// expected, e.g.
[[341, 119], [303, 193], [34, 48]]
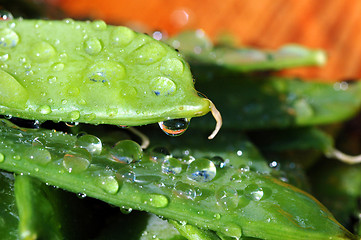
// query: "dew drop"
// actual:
[[38, 155], [5, 15], [8, 38], [155, 200], [126, 151], [174, 127], [148, 53], [92, 46], [2, 157], [52, 79], [201, 170], [146, 179], [74, 115], [227, 197], [16, 157], [158, 154], [12, 93], [58, 67], [172, 66], [99, 25], [42, 51], [77, 160], [91, 143], [89, 117], [127, 90], [44, 109], [218, 161], [4, 56], [125, 210], [72, 124], [162, 86], [73, 91], [109, 184], [171, 165], [105, 72], [253, 192], [121, 36], [184, 190]]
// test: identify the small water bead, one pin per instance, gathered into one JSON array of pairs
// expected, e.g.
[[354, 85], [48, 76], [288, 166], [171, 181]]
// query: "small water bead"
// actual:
[[172, 66], [99, 25], [77, 160], [201, 170], [91, 143], [253, 192], [58, 67], [74, 115], [5, 15], [227, 197], [2, 157], [106, 72], [92, 46], [218, 161], [73, 91], [146, 179], [184, 190], [162, 86], [4, 56], [174, 127], [38, 155], [126, 151], [52, 79], [148, 53], [155, 200], [127, 90], [8, 38], [42, 51], [121, 36], [126, 210], [16, 157], [109, 184], [171, 165], [158, 154], [90, 116], [72, 124], [44, 109]]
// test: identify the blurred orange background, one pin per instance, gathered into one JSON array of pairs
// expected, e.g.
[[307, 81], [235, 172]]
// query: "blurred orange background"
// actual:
[[331, 25]]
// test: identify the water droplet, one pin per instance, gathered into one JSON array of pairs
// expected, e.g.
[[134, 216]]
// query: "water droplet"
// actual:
[[171, 165], [73, 91], [201, 170], [44, 109], [148, 53], [158, 154], [12, 93], [42, 51], [38, 155], [57, 67], [4, 56], [99, 25], [5, 15], [89, 117], [91, 143], [162, 86], [105, 72], [2, 157], [81, 195], [227, 197], [16, 157], [172, 66], [253, 192], [232, 230], [146, 179], [126, 151], [52, 79], [121, 36], [126, 210], [92, 46], [217, 216], [109, 184], [8, 38], [72, 124], [127, 90], [77, 160], [174, 127], [218, 161], [74, 115], [155, 200], [184, 190]]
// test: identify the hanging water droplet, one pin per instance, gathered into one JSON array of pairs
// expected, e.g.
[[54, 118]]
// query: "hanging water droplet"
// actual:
[[74, 115], [5, 15], [227, 197], [92, 46], [109, 184], [91, 143], [121, 36], [8, 38], [172, 67], [44, 109], [253, 192], [77, 160], [38, 155], [155, 200], [162, 86], [42, 51], [126, 151], [126, 210], [72, 124], [148, 53], [201, 170], [171, 165], [174, 127], [2, 157], [158, 154], [16, 157], [81, 195]]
